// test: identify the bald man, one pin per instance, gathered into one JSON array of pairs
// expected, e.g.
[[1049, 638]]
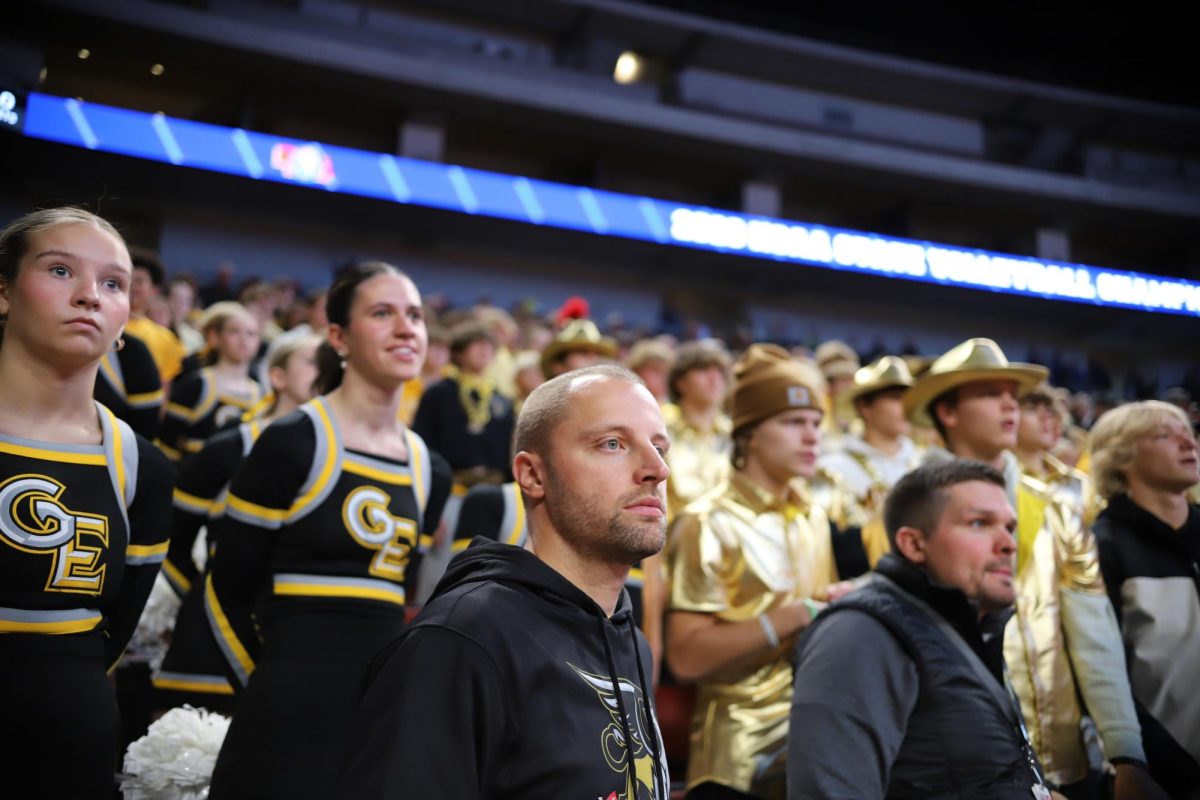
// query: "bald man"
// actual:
[[525, 675]]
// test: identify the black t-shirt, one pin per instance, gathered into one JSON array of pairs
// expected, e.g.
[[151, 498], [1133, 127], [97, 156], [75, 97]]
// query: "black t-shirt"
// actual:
[[442, 422]]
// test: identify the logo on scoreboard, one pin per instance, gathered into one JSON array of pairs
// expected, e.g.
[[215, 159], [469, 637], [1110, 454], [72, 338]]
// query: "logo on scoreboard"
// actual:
[[304, 163]]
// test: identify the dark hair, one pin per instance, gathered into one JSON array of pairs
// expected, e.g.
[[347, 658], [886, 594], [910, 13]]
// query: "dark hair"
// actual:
[[338, 301], [547, 404], [741, 441], [329, 369], [1038, 396], [695, 355], [950, 398], [466, 333], [867, 399], [149, 261], [918, 499], [183, 277], [14, 239]]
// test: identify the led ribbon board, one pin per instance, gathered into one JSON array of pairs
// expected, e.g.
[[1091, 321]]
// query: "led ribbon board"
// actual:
[[402, 180]]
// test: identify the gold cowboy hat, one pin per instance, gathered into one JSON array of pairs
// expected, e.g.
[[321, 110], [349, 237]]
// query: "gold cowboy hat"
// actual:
[[578, 335], [836, 359], [973, 360], [917, 365], [882, 373]]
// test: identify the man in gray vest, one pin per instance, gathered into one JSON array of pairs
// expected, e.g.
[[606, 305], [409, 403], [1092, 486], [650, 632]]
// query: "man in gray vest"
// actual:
[[900, 688]]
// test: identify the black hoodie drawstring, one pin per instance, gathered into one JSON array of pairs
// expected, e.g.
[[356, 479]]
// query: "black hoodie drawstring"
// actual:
[[616, 684], [652, 729], [651, 724]]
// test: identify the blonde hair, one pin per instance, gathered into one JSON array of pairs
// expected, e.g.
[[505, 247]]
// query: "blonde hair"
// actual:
[[213, 320], [14, 239], [215, 316], [279, 356], [1116, 433]]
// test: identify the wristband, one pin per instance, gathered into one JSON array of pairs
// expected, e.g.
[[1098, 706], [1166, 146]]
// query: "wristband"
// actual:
[[813, 607], [769, 629]]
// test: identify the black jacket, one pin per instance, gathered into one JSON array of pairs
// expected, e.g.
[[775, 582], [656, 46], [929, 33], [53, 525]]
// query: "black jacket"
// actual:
[[886, 704], [506, 687], [1153, 577]]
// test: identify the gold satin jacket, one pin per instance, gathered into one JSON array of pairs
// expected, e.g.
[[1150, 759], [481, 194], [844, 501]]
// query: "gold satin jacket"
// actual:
[[699, 460], [1071, 484], [1063, 643], [829, 490], [736, 553]]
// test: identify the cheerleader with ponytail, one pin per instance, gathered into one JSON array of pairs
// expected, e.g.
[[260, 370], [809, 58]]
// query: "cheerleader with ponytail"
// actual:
[[323, 518]]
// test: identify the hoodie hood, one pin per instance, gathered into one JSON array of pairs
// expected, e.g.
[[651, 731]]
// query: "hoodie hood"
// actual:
[[487, 560]]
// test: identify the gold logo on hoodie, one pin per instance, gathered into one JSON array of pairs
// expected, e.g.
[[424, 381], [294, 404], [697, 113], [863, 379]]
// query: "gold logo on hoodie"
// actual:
[[613, 742]]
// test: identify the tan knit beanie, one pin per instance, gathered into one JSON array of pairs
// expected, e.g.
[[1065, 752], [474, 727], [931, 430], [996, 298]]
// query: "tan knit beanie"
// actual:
[[768, 380]]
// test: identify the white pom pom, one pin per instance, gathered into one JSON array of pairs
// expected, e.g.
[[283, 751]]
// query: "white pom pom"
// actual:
[[150, 639], [175, 759], [200, 548]]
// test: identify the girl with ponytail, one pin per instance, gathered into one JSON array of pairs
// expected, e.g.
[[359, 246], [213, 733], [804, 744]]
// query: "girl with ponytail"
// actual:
[[324, 517]]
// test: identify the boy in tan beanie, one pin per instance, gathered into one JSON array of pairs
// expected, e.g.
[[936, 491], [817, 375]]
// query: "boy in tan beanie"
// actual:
[[746, 561]]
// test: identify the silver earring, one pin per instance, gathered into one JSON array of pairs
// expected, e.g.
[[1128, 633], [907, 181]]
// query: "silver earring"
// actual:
[[119, 344]]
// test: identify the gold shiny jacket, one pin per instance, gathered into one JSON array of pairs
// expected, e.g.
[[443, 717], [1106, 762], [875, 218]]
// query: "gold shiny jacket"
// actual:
[[699, 459], [737, 552], [1063, 643], [828, 490], [1072, 485]]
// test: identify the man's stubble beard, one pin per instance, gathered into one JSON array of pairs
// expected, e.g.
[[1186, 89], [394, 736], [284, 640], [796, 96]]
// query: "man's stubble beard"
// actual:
[[581, 522]]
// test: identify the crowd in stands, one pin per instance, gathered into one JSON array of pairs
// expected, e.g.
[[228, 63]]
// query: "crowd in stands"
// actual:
[[482, 363], [1084, 387], [339, 447]]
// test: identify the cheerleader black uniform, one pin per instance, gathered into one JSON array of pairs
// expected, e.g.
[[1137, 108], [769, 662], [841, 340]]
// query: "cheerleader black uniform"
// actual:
[[329, 534], [129, 385], [498, 513], [83, 529], [197, 410], [194, 670]]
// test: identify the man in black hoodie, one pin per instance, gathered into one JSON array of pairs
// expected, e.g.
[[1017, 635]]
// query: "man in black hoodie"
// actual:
[[525, 675], [900, 688]]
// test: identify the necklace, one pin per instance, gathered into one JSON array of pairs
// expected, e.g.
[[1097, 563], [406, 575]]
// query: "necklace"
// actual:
[[475, 395]]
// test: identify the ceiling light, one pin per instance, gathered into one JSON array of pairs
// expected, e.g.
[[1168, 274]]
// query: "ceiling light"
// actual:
[[84, 53], [157, 69], [629, 67]]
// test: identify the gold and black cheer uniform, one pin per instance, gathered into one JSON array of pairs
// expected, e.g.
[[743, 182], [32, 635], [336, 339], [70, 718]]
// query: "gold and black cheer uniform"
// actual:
[[83, 529], [197, 410], [193, 670], [325, 536], [471, 424], [128, 384]]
